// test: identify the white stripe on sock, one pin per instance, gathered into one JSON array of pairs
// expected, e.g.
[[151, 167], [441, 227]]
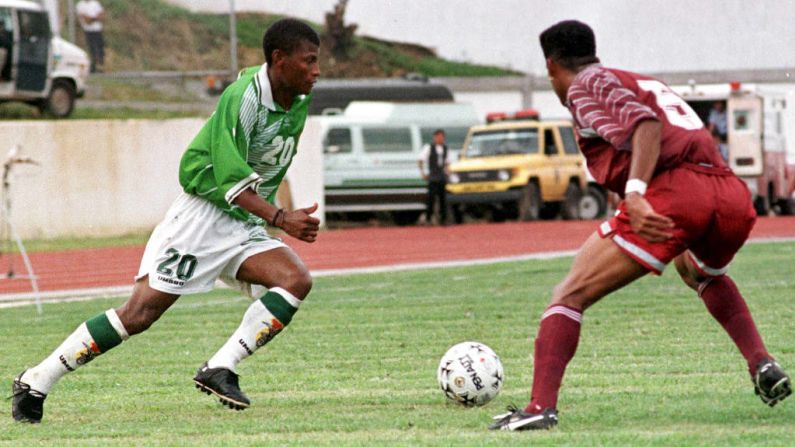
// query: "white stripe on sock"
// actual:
[[565, 311], [289, 297], [115, 321]]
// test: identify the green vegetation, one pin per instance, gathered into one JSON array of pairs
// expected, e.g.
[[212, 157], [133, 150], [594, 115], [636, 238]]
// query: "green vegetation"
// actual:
[[391, 61], [155, 35], [16, 111], [135, 90], [358, 365]]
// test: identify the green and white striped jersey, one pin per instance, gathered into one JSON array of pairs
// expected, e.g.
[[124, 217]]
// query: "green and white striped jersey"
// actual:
[[248, 142]]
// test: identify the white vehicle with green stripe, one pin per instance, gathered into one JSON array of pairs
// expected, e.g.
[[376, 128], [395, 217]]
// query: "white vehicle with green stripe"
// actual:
[[36, 66], [371, 151]]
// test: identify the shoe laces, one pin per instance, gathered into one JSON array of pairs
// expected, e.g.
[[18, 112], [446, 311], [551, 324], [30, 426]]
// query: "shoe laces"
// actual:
[[21, 388]]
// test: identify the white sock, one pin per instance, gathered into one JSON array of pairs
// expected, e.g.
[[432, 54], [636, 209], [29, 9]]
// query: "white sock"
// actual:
[[78, 349], [258, 327]]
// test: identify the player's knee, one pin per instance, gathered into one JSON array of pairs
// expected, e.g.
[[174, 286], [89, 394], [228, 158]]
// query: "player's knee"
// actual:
[[298, 281], [689, 274]]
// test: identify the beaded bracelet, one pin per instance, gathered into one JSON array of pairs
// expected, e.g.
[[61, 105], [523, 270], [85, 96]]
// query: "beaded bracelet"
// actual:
[[279, 215]]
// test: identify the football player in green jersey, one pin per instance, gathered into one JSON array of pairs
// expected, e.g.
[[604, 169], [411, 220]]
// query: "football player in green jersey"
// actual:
[[215, 228]]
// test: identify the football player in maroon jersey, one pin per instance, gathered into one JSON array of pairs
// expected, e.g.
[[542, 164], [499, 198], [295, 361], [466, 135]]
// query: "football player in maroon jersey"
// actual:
[[680, 202]]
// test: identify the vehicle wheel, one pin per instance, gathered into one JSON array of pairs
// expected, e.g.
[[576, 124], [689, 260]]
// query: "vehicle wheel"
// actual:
[[404, 218], [786, 207], [549, 210], [499, 214], [61, 101], [570, 208], [593, 204], [529, 204]]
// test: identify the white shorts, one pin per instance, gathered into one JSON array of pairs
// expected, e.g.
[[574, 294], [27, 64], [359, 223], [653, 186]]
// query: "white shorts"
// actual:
[[196, 244]]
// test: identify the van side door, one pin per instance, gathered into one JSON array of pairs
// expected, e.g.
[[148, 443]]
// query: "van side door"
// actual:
[[34, 50], [6, 44], [550, 175], [572, 159], [390, 156], [745, 135]]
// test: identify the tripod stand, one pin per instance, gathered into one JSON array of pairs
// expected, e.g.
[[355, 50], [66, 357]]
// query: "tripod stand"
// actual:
[[9, 233]]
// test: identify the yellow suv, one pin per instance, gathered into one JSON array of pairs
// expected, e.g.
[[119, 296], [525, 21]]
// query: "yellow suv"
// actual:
[[520, 167]]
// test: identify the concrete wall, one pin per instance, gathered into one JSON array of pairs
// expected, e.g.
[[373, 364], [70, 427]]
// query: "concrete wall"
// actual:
[[94, 178], [111, 177]]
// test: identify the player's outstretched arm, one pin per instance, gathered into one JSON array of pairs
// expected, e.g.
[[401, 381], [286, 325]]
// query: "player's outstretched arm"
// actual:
[[645, 221]]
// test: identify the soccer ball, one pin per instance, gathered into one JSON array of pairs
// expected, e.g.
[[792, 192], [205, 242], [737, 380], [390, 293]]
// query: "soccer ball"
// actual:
[[470, 374]]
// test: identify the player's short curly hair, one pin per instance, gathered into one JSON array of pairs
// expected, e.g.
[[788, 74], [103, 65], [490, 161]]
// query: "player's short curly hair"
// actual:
[[286, 35], [570, 43]]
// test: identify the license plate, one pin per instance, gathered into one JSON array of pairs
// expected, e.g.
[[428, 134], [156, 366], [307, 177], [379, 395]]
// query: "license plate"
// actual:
[[479, 188]]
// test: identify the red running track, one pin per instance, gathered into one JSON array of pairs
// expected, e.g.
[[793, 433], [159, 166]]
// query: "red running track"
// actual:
[[351, 248]]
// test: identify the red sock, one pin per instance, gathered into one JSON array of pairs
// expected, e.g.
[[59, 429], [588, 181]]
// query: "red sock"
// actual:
[[555, 346], [726, 305]]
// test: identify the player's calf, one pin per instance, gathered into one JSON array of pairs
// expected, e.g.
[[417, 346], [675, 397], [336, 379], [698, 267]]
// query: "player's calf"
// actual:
[[263, 320], [92, 338]]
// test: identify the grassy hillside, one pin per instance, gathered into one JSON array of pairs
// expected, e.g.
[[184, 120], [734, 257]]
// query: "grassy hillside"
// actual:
[[155, 35]]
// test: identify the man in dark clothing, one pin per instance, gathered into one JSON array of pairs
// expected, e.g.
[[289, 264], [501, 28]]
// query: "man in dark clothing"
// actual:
[[435, 156]]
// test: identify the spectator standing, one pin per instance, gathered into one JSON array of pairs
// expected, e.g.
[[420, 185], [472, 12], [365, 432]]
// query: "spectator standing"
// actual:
[[434, 154], [92, 17], [717, 125]]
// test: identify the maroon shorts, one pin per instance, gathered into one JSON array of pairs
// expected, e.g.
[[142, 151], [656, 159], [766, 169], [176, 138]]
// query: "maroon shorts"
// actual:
[[712, 212]]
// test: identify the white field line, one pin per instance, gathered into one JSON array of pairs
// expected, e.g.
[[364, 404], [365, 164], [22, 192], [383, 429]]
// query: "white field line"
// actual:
[[66, 296]]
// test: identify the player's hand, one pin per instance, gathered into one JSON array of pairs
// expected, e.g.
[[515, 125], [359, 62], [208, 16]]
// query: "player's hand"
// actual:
[[645, 222], [300, 224]]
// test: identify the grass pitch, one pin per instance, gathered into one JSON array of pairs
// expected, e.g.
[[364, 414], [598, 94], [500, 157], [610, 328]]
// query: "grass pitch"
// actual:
[[358, 365]]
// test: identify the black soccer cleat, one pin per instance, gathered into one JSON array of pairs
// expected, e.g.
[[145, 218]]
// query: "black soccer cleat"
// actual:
[[27, 404], [516, 419], [224, 384], [771, 383]]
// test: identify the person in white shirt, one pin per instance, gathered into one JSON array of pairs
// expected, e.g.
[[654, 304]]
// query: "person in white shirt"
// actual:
[[91, 16], [436, 175]]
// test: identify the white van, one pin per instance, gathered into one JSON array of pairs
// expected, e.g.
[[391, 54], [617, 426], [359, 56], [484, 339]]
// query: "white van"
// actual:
[[371, 150], [37, 67], [760, 143]]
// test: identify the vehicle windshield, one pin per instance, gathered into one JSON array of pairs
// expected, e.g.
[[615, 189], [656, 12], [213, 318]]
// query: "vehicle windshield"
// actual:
[[503, 142]]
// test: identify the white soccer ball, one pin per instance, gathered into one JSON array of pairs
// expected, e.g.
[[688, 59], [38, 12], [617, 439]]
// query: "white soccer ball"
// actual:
[[470, 374]]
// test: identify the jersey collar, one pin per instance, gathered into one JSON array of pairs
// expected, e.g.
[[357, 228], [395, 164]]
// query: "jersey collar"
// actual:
[[265, 94]]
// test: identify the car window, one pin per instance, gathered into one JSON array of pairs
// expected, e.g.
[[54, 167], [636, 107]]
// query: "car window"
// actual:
[[569, 141], [453, 136], [387, 139], [33, 24], [6, 24], [503, 142], [549, 143], [338, 141]]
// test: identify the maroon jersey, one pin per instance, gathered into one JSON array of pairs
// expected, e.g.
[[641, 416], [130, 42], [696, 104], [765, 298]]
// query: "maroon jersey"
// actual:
[[607, 105]]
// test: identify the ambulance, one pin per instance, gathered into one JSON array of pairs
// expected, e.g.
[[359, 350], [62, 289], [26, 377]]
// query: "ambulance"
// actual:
[[760, 137]]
